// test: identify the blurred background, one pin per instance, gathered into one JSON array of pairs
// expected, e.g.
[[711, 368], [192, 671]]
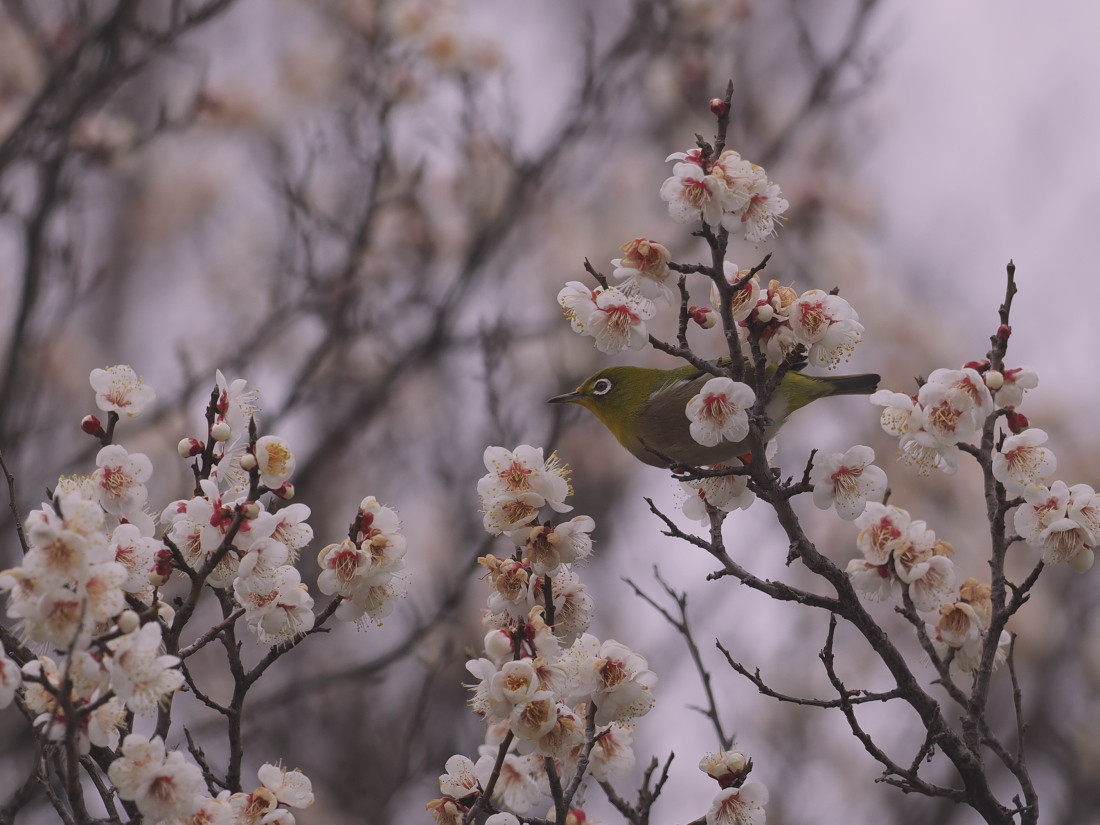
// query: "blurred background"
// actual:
[[366, 209]]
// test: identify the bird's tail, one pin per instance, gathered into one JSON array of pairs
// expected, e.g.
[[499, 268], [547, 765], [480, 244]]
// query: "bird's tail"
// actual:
[[864, 384]]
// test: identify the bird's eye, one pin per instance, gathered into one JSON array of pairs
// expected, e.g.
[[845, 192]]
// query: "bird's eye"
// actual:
[[601, 387]]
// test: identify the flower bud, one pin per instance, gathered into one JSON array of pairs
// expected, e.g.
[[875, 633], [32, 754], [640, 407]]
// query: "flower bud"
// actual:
[[220, 431], [717, 106], [1017, 422], [498, 645], [251, 509], [704, 316], [994, 380], [248, 462], [165, 612], [190, 447], [764, 313], [1082, 561], [32, 669], [90, 424], [1003, 332], [978, 366], [128, 621], [285, 491]]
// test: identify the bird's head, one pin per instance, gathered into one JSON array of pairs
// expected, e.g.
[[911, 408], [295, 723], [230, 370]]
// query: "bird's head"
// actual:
[[616, 395]]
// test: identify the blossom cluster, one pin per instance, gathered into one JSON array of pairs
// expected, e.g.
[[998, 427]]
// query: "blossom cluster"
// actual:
[[730, 192], [90, 583], [546, 688], [557, 701], [948, 409], [164, 786], [900, 553]]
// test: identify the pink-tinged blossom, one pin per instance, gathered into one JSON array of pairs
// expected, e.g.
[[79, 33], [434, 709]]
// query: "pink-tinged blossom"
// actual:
[[757, 218], [140, 675], [161, 785], [618, 321], [236, 405], [1043, 522], [644, 267], [948, 414], [547, 546], [277, 606], [882, 530], [1084, 509], [136, 554], [578, 302], [1016, 380], [877, 582], [925, 451], [827, 325], [847, 481], [120, 479], [619, 682], [971, 384], [118, 389], [720, 411], [727, 493], [744, 300], [901, 414], [739, 180], [518, 484], [739, 806], [935, 584], [292, 529], [459, 781], [613, 753], [692, 194], [517, 786], [1021, 461]]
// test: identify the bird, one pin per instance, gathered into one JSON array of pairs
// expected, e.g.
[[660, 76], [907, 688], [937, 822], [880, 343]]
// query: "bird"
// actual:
[[644, 408]]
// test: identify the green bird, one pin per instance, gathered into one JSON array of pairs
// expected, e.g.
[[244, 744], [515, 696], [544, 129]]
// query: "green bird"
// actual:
[[645, 409]]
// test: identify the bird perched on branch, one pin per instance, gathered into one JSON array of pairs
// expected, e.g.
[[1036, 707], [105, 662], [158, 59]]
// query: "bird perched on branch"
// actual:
[[645, 409]]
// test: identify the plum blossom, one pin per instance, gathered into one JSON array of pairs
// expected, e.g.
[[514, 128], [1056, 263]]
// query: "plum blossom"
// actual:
[[882, 530], [757, 217], [739, 806], [547, 546], [140, 675], [162, 785], [1021, 461], [119, 389], [1044, 522], [847, 481], [727, 493], [877, 582], [619, 681], [518, 485], [947, 413], [744, 300], [692, 194], [460, 780], [644, 267], [827, 325], [971, 384], [120, 480], [720, 411], [613, 753], [275, 460], [1015, 381]]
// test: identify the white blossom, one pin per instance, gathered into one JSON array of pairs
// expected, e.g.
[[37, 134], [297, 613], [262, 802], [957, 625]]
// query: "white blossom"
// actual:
[[720, 411], [847, 481], [119, 389]]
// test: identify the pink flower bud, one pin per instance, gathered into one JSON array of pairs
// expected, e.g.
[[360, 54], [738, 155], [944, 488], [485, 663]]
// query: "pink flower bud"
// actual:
[[90, 424], [1017, 422], [979, 366], [704, 316], [190, 447], [284, 491], [717, 106], [1003, 331]]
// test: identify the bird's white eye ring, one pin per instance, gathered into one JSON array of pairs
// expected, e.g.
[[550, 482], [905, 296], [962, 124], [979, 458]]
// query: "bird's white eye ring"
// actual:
[[601, 387]]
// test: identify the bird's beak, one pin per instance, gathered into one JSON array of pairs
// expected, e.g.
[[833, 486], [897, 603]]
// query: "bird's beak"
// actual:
[[566, 398]]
